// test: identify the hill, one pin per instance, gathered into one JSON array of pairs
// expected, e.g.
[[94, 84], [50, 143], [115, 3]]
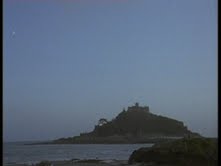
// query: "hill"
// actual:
[[136, 125]]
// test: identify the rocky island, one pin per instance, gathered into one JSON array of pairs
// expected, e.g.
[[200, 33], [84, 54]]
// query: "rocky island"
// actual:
[[134, 125]]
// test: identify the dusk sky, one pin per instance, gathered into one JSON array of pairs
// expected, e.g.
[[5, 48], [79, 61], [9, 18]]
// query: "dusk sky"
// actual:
[[68, 63]]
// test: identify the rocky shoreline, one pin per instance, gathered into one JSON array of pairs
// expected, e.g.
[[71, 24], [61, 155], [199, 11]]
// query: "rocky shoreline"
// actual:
[[182, 152], [89, 162], [76, 162]]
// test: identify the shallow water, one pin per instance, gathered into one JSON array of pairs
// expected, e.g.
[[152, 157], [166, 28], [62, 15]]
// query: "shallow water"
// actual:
[[20, 153]]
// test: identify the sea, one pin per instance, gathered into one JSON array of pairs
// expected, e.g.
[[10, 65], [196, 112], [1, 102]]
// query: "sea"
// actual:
[[20, 153]]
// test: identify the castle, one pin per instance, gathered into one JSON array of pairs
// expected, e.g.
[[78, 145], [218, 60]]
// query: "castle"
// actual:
[[137, 107]]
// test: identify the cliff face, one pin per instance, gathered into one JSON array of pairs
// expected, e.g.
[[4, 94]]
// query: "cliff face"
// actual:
[[137, 124]]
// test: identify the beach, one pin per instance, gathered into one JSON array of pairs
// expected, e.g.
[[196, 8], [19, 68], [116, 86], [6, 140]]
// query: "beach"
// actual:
[[89, 162], [17, 153]]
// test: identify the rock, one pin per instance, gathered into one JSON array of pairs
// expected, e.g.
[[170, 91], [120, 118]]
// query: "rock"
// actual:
[[186, 152], [44, 163], [136, 125]]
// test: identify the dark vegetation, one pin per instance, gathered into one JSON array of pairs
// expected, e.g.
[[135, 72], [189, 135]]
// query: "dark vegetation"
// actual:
[[136, 123], [183, 152]]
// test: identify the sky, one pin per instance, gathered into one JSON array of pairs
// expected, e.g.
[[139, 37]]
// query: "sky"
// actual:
[[68, 63]]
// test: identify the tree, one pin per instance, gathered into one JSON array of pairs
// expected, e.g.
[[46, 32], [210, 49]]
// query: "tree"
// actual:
[[102, 121]]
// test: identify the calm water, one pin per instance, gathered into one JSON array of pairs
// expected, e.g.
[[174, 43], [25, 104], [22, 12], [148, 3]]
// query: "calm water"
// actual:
[[20, 153]]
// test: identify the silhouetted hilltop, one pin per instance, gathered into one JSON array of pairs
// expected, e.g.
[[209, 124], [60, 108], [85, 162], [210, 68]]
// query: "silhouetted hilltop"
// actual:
[[138, 121], [136, 125]]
